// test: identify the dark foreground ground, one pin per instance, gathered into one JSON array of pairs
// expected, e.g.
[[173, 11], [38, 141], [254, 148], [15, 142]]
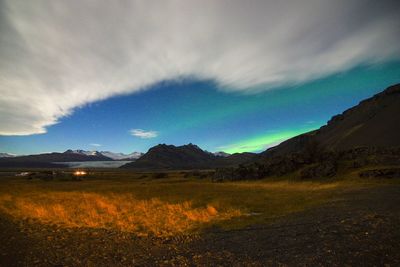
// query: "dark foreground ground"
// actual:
[[361, 228]]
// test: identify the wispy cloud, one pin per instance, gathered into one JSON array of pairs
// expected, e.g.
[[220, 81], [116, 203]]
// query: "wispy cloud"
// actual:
[[59, 55], [143, 134], [96, 145]]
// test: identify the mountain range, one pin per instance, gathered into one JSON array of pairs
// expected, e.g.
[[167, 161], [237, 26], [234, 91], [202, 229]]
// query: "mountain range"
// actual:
[[188, 156], [55, 159], [108, 154], [374, 123], [6, 155]]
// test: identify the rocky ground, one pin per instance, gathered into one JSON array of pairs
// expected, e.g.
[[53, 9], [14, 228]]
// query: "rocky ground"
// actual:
[[361, 228]]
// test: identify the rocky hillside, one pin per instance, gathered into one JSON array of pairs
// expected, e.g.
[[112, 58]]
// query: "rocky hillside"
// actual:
[[185, 157], [374, 122], [365, 135], [173, 157]]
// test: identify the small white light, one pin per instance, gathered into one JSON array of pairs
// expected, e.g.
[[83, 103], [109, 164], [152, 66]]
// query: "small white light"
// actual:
[[79, 173]]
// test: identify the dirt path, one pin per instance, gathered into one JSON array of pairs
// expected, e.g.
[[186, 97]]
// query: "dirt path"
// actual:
[[360, 228]]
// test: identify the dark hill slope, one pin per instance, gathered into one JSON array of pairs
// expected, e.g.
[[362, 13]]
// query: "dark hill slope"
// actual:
[[185, 157], [374, 122], [55, 157], [173, 157], [235, 159], [30, 164]]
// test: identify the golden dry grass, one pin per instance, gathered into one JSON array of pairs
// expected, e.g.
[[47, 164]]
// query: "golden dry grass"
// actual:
[[122, 212], [163, 206]]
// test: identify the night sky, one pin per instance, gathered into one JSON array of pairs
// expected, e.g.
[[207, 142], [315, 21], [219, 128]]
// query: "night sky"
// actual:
[[87, 77], [201, 113]]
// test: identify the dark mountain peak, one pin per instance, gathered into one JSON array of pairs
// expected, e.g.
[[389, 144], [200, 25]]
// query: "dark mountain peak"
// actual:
[[161, 147], [374, 122], [164, 156], [192, 146], [189, 146], [188, 156], [391, 90]]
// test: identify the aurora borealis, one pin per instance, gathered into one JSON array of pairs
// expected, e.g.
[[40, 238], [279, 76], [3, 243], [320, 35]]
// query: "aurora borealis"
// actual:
[[199, 112], [226, 75]]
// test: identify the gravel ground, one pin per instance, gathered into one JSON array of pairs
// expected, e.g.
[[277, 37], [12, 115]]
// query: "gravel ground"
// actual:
[[359, 229]]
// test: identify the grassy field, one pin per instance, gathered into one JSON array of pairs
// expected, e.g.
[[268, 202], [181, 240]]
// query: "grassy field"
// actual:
[[141, 204]]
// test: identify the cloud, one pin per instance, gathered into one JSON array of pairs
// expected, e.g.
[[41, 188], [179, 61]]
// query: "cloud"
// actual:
[[96, 145], [143, 134], [56, 56]]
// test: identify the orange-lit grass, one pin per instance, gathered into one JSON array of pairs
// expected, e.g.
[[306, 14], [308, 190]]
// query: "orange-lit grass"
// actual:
[[122, 212], [166, 206]]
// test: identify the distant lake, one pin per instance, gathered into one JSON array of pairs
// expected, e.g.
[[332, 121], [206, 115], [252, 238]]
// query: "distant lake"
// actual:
[[94, 164]]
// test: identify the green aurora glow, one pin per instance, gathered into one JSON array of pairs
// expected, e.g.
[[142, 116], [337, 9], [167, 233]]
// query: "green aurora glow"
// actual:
[[260, 143]]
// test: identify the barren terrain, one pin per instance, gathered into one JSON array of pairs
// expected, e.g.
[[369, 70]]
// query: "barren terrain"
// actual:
[[330, 223]]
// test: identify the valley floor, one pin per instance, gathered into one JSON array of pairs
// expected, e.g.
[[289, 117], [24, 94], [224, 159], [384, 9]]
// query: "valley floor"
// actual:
[[354, 226]]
